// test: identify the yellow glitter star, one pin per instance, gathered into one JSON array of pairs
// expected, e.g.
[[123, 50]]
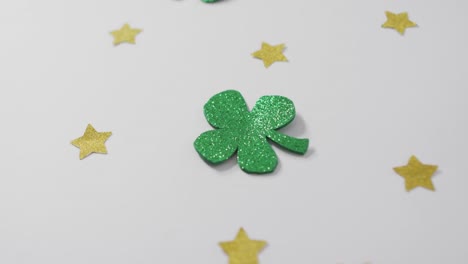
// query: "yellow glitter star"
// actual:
[[270, 54], [243, 250], [91, 142], [400, 22], [417, 174], [125, 34]]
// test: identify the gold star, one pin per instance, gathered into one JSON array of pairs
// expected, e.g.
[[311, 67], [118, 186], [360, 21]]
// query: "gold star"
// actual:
[[242, 250], [125, 34], [270, 54], [400, 22], [91, 142], [417, 174]]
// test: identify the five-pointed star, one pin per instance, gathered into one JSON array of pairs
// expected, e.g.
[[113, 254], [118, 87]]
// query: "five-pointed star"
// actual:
[[91, 142], [243, 250], [417, 174], [270, 54], [125, 34], [400, 22]]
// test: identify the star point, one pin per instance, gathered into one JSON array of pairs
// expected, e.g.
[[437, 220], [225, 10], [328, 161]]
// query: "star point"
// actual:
[[242, 250], [400, 22], [125, 34], [91, 142], [270, 54], [417, 174]]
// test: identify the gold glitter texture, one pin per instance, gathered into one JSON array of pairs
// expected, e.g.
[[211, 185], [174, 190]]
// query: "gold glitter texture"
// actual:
[[400, 22], [270, 54], [417, 174], [243, 250], [91, 142], [125, 34]]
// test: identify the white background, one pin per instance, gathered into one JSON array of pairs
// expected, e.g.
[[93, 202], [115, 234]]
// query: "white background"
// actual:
[[366, 97]]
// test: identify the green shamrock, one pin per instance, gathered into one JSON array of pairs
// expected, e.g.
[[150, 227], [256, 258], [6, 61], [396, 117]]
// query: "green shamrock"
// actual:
[[210, 1], [237, 129]]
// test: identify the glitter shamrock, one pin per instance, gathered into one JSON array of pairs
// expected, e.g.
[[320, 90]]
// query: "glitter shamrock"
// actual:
[[237, 129]]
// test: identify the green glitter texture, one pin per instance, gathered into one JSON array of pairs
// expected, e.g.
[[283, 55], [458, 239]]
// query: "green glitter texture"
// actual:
[[237, 129], [210, 1]]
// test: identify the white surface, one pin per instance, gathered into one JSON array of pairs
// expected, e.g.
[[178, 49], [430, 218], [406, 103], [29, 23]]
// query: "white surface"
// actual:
[[366, 97]]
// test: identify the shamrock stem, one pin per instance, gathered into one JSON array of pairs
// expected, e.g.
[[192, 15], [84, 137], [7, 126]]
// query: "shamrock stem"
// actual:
[[298, 145]]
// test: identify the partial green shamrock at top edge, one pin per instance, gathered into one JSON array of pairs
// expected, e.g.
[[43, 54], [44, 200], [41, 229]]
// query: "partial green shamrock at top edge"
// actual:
[[210, 1], [237, 129]]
